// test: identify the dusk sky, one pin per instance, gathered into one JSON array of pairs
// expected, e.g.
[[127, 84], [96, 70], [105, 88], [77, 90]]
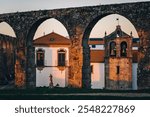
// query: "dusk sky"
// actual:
[[27, 5], [7, 6]]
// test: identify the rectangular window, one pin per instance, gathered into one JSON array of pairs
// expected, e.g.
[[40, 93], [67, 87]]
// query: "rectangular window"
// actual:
[[40, 59], [118, 69], [61, 59], [93, 46]]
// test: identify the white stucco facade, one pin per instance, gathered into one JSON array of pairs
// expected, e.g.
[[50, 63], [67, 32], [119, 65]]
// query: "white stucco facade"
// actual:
[[60, 75], [97, 47], [98, 76], [134, 76], [51, 55]]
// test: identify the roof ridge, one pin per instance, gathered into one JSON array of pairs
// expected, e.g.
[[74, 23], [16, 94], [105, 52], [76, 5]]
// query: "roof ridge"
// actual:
[[49, 35]]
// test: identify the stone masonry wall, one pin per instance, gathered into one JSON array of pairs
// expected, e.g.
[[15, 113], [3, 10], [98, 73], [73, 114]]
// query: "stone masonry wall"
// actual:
[[6, 59], [75, 60], [79, 21], [121, 81]]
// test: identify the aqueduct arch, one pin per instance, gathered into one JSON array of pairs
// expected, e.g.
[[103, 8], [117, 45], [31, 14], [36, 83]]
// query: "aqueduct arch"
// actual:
[[76, 21], [86, 74], [30, 52]]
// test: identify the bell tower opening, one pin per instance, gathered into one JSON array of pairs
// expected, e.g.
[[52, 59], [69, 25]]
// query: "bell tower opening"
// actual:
[[123, 49]]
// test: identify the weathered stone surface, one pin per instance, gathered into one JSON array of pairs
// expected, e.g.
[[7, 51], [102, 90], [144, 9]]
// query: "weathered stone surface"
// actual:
[[75, 59], [123, 79], [6, 59], [79, 23], [86, 69]]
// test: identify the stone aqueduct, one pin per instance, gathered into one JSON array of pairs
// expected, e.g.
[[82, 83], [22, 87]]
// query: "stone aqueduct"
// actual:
[[79, 23]]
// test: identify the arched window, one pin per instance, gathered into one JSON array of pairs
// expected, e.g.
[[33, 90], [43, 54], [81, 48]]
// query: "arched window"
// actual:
[[40, 58], [112, 49], [123, 49], [61, 57]]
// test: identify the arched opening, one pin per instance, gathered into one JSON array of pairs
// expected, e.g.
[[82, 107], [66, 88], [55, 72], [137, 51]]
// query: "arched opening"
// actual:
[[95, 51], [6, 29], [48, 38], [7, 51], [112, 49], [123, 50]]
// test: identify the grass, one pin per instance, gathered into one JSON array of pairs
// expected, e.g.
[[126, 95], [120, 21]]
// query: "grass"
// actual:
[[68, 93], [44, 90]]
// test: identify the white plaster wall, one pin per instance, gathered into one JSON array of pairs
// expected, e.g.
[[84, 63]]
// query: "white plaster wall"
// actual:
[[59, 77], [134, 76], [134, 48], [98, 76], [51, 55], [97, 47]]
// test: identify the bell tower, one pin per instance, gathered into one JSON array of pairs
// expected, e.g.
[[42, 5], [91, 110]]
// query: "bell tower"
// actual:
[[118, 60]]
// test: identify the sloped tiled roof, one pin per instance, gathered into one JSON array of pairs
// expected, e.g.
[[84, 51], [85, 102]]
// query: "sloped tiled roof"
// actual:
[[96, 41], [52, 39], [97, 56]]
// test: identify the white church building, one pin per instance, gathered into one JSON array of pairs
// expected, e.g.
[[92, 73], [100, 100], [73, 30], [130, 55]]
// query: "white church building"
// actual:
[[52, 57]]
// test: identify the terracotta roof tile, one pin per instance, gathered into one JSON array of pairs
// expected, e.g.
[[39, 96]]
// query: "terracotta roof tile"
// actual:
[[90, 42], [97, 56], [52, 39]]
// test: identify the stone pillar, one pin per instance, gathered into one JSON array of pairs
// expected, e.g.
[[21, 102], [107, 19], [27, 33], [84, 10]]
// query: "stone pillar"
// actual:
[[75, 59], [8, 55], [86, 68], [13, 60], [24, 65], [144, 60], [1, 61], [20, 68], [4, 68], [1, 72], [30, 68], [106, 58], [75, 69], [144, 71]]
